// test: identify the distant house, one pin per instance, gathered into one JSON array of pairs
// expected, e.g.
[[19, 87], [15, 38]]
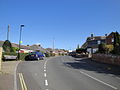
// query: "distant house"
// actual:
[[26, 48], [93, 42]]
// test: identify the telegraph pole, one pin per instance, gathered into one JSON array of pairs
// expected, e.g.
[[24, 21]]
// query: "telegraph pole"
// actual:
[[8, 30], [53, 44], [1, 58]]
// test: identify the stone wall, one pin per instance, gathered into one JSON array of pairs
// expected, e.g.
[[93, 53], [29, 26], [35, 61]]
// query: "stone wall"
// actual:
[[104, 58]]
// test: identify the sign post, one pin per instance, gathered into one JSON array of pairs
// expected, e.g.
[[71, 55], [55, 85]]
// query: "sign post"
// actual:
[[0, 58]]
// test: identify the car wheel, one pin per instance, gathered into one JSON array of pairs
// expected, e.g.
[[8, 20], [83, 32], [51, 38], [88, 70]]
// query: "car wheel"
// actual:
[[38, 58], [27, 58]]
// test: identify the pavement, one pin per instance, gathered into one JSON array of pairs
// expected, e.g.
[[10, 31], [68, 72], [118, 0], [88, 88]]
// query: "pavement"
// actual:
[[7, 75]]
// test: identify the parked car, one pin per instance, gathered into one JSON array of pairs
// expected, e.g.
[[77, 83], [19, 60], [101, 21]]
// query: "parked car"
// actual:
[[34, 56], [73, 54], [9, 57]]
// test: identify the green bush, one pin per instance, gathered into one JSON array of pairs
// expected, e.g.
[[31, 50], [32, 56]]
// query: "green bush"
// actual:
[[81, 50], [116, 44], [9, 53], [23, 55], [47, 54], [102, 48]]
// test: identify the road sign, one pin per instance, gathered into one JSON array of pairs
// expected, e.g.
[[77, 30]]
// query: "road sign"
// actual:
[[0, 58]]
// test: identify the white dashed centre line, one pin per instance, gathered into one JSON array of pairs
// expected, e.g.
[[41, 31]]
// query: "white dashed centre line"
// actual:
[[46, 83], [44, 67], [45, 74]]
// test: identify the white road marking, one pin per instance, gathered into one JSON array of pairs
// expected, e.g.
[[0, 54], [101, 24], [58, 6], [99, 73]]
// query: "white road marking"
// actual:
[[45, 74], [15, 77], [46, 83], [98, 80], [44, 67], [117, 77], [45, 63]]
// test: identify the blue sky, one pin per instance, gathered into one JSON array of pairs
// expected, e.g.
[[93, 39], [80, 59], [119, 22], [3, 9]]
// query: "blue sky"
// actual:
[[70, 22]]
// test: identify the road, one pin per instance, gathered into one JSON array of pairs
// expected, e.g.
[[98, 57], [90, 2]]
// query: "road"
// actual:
[[66, 73]]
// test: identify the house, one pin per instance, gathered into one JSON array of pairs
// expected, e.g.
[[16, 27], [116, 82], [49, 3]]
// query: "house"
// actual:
[[25, 48], [93, 42], [110, 38]]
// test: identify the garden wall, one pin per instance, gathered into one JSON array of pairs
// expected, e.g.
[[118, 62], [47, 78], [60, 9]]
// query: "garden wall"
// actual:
[[104, 58]]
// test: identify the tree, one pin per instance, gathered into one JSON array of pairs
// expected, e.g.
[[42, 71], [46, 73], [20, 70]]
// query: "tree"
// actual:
[[15, 49], [102, 48], [116, 43], [78, 46], [81, 50], [7, 46], [109, 48]]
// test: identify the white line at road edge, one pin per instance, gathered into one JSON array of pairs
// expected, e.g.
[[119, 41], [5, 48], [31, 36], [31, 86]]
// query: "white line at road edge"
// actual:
[[15, 77], [117, 77], [98, 80]]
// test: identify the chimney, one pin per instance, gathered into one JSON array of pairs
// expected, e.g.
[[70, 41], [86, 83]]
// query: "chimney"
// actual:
[[92, 35], [106, 35]]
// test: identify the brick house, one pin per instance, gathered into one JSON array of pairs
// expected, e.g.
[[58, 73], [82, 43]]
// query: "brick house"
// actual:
[[110, 39], [93, 42]]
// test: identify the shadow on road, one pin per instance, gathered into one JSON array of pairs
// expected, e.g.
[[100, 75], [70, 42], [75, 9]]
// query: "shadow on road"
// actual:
[[90, 65]]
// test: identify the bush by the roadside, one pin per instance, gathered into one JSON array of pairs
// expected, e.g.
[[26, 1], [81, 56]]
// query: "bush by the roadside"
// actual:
[[23, 55], [47, 54]]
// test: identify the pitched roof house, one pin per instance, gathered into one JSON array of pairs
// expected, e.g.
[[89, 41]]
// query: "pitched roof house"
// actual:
[[93, 42]]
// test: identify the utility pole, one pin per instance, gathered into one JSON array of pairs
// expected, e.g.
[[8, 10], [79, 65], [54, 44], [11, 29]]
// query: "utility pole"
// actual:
[[1, 58], [53, 44], [8, 30]]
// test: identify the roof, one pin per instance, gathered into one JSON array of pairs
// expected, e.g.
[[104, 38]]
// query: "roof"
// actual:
[[32, 47], [96, 38]]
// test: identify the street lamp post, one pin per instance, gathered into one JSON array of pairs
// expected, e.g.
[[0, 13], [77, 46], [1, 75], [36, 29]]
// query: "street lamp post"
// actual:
[[21, 26]]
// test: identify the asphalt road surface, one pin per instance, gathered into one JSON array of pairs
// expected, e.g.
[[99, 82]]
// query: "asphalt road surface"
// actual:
[[66, 73]]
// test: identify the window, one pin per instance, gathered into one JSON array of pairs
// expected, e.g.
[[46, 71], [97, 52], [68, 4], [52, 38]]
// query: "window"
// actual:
[[99, 41], [112, 39]]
